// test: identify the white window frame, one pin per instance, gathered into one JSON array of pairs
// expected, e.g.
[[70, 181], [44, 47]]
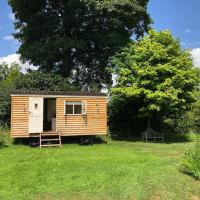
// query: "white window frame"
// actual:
[[83, 107]]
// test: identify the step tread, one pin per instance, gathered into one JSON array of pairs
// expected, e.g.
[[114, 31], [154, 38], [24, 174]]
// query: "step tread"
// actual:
[[50, 139], [49, 134], [50, 145]]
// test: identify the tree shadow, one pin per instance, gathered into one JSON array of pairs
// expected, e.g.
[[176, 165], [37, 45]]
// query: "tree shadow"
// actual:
[[35, 142], [168, 138], [22, 141], [77, 140], [177, 138]]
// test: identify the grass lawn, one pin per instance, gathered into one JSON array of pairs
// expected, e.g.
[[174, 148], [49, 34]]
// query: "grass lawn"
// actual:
[[117, 170]]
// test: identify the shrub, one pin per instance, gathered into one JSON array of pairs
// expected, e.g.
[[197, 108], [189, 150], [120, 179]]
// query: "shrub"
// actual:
[[4, 127], [5, 140], [191, 163], [2, 140], [123, 117]]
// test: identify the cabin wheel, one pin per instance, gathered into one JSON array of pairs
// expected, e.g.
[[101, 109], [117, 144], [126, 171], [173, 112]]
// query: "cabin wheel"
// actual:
[[87, 140], [33, 142]]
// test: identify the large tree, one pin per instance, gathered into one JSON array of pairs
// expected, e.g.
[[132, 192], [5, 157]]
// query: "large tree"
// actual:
[[37, 80], [157, 73], [77, 37]]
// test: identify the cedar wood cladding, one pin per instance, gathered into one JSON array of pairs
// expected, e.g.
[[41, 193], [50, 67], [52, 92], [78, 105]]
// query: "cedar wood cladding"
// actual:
[[19, 116], [93, 123]]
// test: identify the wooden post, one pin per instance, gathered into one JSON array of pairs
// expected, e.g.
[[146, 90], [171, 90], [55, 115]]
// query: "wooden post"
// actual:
[[40, 141]]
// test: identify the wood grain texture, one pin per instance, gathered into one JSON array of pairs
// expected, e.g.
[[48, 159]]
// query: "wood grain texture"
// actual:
[[19, 116], [93, 123]]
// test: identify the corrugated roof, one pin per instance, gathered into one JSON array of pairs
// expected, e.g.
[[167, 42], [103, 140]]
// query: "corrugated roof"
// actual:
[[64, 93]]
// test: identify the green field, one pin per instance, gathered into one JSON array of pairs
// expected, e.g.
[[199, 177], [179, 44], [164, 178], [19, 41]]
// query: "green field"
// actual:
[[117, 170]]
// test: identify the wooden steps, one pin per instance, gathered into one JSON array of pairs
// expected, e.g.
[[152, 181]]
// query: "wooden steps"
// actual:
[[50, 139], [50, 145], [43, 140]]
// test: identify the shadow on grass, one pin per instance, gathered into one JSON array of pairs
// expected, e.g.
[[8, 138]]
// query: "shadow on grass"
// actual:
[[34, 141], [3, 144], [77, 140], [23, 141], [168, 138]]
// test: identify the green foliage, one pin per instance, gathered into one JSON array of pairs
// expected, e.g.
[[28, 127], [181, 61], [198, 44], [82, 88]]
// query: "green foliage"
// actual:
[[12, 79], [195, 115], [189, 121], [157, 73], [2, 142], [5, 140], [8, 82], [123, 117], [77, 36], [180, 124], [191, 162], [37, 80]]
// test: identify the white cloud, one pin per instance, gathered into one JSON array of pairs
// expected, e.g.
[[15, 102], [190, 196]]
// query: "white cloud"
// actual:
[[8, 38], [11, 16], [196, 56], [14, 58], [187, 30]]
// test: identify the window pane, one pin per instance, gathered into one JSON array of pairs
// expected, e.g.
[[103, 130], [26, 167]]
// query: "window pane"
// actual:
[[77, 109], [77, 103], [69, 109], [69, 103]]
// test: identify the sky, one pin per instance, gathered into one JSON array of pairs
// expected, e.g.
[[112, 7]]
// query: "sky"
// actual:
[[181, 17]]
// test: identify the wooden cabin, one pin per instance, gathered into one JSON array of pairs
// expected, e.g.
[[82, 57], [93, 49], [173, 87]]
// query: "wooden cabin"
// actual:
[[47, 113]]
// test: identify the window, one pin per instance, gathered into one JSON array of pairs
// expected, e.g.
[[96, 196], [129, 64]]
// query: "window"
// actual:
[[77, 107], [74, 108], [69, 107]]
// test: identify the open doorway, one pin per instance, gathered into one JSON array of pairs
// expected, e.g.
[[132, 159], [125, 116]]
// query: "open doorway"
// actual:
[[49, 118]]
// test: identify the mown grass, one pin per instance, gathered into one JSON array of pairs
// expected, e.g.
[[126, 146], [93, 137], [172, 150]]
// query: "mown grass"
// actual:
[[117, 170]]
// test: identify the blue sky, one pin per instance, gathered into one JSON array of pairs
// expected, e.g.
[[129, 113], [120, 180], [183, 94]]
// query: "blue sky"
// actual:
[[7, 45], [179, 16]]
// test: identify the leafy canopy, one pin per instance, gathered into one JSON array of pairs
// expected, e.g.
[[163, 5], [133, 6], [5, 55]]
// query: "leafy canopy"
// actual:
[[77, 37], [157, 72], [11, 79], [8, 81], [37, 80]]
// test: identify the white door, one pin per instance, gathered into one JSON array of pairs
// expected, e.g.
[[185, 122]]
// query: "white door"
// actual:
[[35, 115]]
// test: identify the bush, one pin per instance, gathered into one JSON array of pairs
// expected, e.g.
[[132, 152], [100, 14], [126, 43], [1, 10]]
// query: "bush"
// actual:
[[180, 123], [3, 138], [123, 117], [4, 127], [191, 163]]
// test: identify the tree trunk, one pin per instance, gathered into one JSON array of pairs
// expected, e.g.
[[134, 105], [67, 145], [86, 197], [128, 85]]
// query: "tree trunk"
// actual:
[[67, 64], [148, 121]]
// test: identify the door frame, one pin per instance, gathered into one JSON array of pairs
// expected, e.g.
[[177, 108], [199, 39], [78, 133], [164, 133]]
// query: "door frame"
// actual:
[[29, 122], [55, 98]]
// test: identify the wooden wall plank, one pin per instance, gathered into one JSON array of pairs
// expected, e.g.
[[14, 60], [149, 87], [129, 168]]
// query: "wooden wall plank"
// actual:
[[93, 123], [19, 116]]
